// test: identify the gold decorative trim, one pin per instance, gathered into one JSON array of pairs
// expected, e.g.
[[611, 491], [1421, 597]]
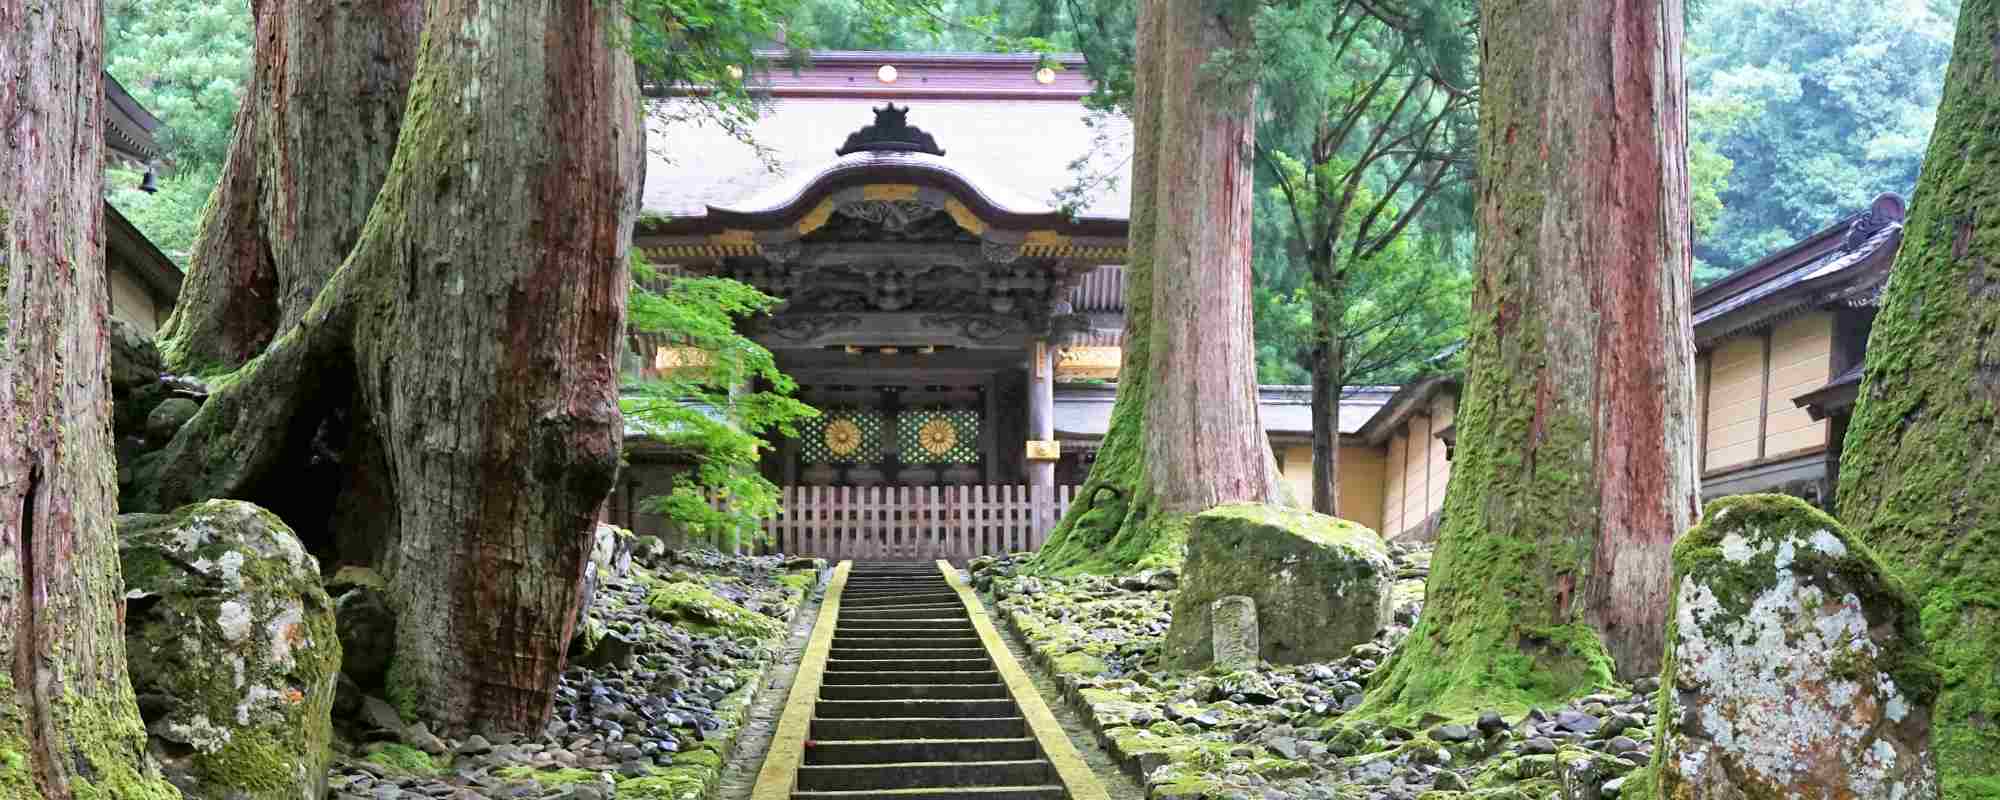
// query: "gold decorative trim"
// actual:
[[1081, 361], [1044, 449], [964, 217], [889, 191], [816, 218]]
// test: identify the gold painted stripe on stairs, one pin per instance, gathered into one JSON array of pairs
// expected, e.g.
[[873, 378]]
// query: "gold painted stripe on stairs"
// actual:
[[788, 743], [1071, 770]]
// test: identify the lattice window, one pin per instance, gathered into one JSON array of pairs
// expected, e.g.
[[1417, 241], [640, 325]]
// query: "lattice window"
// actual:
[[939, 437], [842, 436]]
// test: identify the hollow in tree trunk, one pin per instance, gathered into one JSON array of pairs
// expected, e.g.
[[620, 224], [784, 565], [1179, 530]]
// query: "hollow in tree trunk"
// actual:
[[464, 352], [69, 726], [1918, 478], [1575, 465]]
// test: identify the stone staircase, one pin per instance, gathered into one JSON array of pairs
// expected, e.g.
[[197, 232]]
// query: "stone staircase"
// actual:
[[911, 706]]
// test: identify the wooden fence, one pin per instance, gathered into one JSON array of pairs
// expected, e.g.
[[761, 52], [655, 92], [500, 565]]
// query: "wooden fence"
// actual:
[[915, 523]]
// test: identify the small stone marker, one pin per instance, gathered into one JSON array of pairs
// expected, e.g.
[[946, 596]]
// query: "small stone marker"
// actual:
[[1235, 620], [1796, 663]]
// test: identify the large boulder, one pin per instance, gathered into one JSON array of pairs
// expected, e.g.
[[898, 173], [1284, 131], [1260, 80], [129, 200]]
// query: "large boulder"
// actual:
[[1795, 665], [1321, 585], [233, 650]]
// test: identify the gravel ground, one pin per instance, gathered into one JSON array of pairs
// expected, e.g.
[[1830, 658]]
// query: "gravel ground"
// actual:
[[1286, 731]]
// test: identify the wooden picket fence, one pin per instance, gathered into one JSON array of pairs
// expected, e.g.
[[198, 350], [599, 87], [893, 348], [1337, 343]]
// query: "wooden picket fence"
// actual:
[[915, 523]]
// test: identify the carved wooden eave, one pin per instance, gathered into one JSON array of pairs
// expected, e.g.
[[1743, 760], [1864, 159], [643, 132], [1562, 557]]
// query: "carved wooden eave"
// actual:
[[897, 248], [1845, 264], [766, 224]]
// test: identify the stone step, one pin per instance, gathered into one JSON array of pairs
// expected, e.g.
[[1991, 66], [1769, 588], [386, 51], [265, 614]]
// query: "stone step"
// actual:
[[933, 793], [929, 611], [872, 677], [914, 707], [899, 599], [870, 641], [884, 751], [852, 777], [914, 691], [845, 652], [919, 728], [947, 629], [960, 622], [980, 664]]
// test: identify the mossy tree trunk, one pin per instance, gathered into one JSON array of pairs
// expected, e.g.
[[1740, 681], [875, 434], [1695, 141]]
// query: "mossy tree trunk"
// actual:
[[464, 352], [314, 137], [1918, 478], [69, 726], [1575, 465], [1184, 433]]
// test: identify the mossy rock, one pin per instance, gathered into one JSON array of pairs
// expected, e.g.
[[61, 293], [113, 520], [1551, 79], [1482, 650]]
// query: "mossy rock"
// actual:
[[232, 648], [694, 607], [1795, 659], [1321, 584]]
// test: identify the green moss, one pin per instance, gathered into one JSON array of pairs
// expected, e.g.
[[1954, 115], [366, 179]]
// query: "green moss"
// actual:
[[549, 778], [1918, 472], [1504, 620], [249, 763], [1082, 664], [403, 759], [694, 607], [800, 581]]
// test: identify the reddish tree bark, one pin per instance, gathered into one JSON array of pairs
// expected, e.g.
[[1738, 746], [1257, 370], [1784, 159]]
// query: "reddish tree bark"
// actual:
[[1576, 462], [69, 726], [474, 327], [1205, 444]]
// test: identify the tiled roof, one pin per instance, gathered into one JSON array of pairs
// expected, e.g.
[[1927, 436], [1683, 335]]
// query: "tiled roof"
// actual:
[[1850, 256], [1022, 148]]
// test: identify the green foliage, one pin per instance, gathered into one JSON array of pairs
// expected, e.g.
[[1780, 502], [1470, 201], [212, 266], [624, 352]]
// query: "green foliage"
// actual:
[[185, 61], [1819, 104], [703, 409]]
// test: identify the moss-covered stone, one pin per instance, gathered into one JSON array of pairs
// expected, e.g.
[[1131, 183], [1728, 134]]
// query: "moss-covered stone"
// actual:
[[230, 632], [695, 607], [1796, 661], [1321, 584]]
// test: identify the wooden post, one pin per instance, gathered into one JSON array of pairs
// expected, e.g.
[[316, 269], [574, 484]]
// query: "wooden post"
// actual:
[[1041, 422]]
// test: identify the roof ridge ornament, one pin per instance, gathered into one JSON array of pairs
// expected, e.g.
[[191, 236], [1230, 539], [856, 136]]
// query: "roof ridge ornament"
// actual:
[[891, 133]]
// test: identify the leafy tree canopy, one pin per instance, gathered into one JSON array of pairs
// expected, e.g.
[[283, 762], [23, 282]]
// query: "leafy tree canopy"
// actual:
[[1819, 105]]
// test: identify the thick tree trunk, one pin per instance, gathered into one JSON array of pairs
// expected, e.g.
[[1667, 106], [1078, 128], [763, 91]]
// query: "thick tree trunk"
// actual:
[[1184, 432], [1204, 441], [314, 137], [475, 325], [1918, 475], [69, 726], [1575, 467]]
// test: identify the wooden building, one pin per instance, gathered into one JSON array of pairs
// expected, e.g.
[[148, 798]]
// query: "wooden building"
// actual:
[[946, 232], [144, 282], [954, 312]]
